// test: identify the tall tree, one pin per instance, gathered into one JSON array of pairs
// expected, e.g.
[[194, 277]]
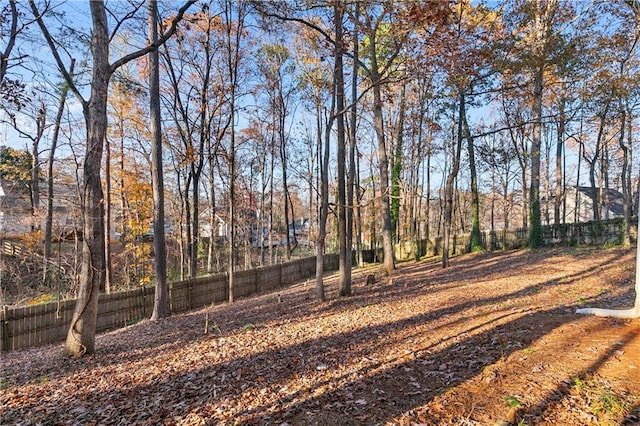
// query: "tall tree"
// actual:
[[161, 297], [456, 152], [235, 13], [339, 87], [540, 42], [277, 68], [317, 83], [376, 73], [81, 336], [353, 186], [48, 227]]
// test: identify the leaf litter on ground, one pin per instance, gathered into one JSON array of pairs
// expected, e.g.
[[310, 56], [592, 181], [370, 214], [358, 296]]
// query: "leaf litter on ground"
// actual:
[[425, 345]]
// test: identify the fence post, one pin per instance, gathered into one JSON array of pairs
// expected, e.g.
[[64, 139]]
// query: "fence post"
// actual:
[[226, 286], [4, 330], [144, 302], [255, 280]]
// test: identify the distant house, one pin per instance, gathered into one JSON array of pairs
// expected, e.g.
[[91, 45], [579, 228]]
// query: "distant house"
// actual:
[[579, 204], [17, 219], [220, 226], [15, 209], [300, 228]]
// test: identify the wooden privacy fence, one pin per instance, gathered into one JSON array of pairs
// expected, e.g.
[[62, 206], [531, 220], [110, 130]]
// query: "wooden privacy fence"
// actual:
[[37, 325]]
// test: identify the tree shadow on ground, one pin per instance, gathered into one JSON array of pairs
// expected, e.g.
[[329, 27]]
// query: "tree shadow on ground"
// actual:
[[368, 389], [384, 391], [408, 281], [568, 388]]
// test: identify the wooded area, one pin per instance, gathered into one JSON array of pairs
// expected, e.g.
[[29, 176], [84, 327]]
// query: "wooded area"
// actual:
[[239, 133]]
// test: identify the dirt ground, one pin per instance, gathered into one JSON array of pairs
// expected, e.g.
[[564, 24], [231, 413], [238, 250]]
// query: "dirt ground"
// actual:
[[492, 340]]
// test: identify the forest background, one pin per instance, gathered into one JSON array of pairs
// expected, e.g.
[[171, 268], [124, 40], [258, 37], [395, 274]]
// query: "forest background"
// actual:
[[297, 128]]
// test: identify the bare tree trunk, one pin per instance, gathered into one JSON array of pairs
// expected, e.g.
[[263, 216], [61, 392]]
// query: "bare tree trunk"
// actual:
[[324, 203], [107, 215], [161, 296], [271, 172], [456, 150], [285, 185], [196, 170], [345, 264], [476, 237], [188, 226], [558, 198], [234, 36], [352, 203], [358, 211], [35, 165], [378, 124], [232, 221], [212, 213], [81, 335], [11, 42], [535, 224], [626, 187], [48, 227], [396, 168]]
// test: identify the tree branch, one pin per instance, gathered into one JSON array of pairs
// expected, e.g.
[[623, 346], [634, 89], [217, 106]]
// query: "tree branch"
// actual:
[[4, 57], [172, 29], [54, 51], [634, 5]]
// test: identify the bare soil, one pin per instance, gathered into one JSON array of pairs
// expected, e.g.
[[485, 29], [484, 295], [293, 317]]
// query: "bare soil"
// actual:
[[492, 340]]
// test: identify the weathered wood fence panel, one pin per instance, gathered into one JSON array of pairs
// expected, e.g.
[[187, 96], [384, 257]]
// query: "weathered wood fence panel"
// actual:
[[37, 325]]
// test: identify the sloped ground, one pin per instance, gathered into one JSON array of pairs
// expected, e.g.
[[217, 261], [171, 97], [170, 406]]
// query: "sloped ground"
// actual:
[[492, 340]]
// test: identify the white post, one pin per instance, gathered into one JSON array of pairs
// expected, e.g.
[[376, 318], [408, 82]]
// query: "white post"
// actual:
[[623, 313]]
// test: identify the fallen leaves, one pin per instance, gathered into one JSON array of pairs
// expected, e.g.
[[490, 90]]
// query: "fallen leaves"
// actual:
[[432, 347]]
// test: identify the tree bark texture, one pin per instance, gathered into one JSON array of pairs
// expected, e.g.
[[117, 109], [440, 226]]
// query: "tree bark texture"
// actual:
[[535, 223], [456, 150], [81, 335], [161, 295], [378, 124], [345, 264], [476, 237]]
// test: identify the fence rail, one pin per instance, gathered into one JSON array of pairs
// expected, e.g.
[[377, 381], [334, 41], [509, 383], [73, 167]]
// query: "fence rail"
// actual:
[[36, 325]]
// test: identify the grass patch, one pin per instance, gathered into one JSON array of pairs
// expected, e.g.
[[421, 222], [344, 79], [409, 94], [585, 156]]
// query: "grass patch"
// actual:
[[603, 403], [132, 321]]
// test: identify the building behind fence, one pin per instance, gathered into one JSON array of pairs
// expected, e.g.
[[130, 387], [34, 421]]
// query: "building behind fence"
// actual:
[[37, 325]]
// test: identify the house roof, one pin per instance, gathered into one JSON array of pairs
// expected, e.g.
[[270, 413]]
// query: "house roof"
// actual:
[[612, 199], [14, 196]]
